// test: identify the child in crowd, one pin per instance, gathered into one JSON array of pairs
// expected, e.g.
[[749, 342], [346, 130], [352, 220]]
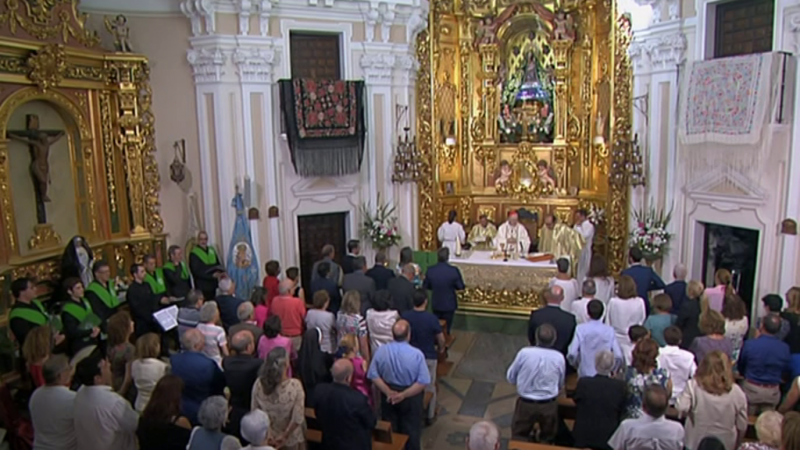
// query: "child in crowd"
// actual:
[[660, 319], [348, 348], [680, 363], [635, 333]]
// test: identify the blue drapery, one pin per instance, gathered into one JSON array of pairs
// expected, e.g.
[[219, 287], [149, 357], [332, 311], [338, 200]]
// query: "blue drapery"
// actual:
[[242, 259]]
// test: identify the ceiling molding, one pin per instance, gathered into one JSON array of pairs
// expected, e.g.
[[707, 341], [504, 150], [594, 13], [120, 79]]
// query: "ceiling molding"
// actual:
[[133, 8]]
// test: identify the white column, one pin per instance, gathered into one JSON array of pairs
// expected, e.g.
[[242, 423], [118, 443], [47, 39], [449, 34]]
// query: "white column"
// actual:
[[791, 208]]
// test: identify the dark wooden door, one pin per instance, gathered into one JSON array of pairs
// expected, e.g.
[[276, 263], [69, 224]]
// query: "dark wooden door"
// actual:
[[314, 232]]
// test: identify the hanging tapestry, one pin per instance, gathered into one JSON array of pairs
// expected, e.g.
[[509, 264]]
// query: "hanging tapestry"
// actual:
[[727, 100], [324, 124]]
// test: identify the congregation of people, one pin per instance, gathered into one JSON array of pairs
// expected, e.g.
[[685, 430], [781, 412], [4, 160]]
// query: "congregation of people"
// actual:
[[682, 369], [357, 345], [361, 344]]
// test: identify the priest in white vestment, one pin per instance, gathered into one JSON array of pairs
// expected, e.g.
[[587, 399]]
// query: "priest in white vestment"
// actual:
[[586, 229], [451, 234], [513, 235]]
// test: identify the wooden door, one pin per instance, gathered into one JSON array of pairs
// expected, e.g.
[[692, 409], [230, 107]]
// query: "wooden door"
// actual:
[[314, 232]]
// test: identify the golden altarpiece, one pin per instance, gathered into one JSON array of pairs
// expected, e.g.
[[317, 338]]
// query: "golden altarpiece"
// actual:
[[76, 145], [524, 105]]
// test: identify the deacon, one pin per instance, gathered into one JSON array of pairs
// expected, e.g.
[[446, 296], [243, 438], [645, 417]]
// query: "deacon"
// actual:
[[451, 233], [560, 240], [586, 229], [482, 235], [176, 274], [102, 292], [205, 266], [513, 235]]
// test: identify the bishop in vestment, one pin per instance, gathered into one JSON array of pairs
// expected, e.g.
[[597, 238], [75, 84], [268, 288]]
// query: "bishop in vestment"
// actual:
[[513, 236], [482, 235]]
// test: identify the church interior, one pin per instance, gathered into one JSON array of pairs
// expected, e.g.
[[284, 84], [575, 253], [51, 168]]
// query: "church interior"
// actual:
[[147, 122]]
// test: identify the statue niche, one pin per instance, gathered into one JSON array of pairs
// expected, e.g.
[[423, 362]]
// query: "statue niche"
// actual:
[[42, 162], [526, 84]]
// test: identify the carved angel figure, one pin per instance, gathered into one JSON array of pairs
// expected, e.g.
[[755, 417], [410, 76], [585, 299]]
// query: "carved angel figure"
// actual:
[[119, 29], [564, 28], [486, 32]]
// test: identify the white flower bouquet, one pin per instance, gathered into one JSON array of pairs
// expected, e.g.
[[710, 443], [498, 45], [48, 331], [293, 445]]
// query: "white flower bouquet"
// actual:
[[650, 233], [380, 228]]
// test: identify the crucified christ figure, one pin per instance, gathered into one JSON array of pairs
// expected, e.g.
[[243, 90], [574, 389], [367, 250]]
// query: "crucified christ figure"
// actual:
[[39, 142]]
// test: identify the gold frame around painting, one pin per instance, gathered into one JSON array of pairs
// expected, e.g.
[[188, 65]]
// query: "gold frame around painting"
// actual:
[[47, 54], [458, 100]]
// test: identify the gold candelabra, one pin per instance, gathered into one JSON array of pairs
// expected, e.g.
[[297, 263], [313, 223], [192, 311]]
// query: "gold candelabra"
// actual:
[[408, 163], [627, 165]]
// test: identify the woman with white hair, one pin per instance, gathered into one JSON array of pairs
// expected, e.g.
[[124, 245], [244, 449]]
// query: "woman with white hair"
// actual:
[[283, 399], [255, 428], [212, 416], [768, 432], [599, 404], [216, 342]]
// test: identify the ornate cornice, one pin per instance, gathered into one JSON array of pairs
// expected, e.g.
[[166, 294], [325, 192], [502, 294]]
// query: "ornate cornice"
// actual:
[[255, 64], [658, 53], [200, 12], [208, 64], [386, 68]]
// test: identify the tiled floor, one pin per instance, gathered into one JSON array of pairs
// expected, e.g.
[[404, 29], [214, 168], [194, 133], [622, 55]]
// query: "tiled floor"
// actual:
[[464, 401]]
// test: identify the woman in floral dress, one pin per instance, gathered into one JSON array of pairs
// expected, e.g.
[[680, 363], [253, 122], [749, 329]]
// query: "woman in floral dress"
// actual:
[[736, 324], [283, 399], [642, 372]]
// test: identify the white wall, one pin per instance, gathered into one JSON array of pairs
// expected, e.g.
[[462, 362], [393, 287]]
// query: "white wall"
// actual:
[[659, 53]]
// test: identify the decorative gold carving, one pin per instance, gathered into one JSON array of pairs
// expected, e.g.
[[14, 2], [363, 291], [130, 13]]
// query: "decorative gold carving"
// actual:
[[490, 211], [426, 186], [40, 271], [5, 199], [109, 149], [621, 121], [139, 250], [564, 214], [465, 210], [44, 236], [120, 251], [511, 286], [12, 64], [152, 180], [47, 66], [84, 73], [48, 19]]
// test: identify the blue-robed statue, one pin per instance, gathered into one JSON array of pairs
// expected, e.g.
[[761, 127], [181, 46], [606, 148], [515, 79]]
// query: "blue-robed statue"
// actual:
[[242, 260]]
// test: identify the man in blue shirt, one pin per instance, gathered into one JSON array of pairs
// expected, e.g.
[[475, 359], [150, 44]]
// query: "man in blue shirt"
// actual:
[[400, 373], [202, 377], [444, 281], [645, 277], [228, 303], [538, 372], [426, 334], [763, 361], [590, 338]]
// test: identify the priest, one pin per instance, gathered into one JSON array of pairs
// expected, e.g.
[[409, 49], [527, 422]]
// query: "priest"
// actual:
[[451, 233], [586, 229], [560, 240], [513, 236], [205, 266], [482, 235]]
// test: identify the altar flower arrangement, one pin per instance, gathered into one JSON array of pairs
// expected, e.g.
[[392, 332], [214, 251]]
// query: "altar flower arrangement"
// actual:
[[650, 232], [597, 215], [380, 228]]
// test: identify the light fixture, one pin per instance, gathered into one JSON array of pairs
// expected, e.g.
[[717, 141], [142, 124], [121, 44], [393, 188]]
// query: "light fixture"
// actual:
[[408, 163], [627, 163]]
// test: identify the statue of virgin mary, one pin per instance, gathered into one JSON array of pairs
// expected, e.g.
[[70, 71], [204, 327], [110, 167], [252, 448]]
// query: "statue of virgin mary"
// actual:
[[77, 260]]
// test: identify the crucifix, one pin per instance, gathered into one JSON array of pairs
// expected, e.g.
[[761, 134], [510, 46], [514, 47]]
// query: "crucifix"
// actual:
[[39, 142]]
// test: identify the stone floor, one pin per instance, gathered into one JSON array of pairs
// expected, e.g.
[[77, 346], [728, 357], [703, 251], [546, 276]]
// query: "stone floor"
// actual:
[[475, 389]]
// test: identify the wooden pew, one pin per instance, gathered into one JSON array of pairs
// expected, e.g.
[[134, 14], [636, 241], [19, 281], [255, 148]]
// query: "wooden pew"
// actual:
[[519, 445], [382, 436]]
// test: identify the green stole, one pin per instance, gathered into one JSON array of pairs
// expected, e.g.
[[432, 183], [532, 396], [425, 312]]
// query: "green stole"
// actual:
[[184, 269], [78, 310], [39, 317], [208, 257], [107, 296], [156, 281]]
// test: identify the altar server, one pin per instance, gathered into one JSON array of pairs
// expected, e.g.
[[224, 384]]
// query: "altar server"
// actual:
[[451, 233], [512, 234], [482, 235], [586, 229]]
